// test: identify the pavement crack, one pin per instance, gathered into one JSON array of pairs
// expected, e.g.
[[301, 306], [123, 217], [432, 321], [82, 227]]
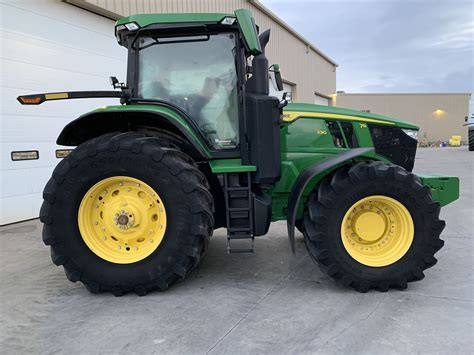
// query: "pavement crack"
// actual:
[[439, 297], [352, 325], [285, 277]]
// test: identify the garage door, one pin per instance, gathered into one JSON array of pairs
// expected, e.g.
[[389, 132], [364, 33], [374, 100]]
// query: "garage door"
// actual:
[[320, 100], [46, 46]]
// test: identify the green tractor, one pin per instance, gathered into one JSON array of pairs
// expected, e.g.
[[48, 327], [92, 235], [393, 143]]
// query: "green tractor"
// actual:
[[199, 144]]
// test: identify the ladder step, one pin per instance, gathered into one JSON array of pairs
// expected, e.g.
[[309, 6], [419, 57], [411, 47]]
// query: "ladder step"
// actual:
[[239, 236], [238, 194], [238, 188], [238, 214], [239, 229], [239, 250], [232, 251]]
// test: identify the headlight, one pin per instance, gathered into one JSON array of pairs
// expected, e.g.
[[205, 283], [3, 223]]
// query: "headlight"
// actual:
[[132, 26], [228, 21], [412, 133]]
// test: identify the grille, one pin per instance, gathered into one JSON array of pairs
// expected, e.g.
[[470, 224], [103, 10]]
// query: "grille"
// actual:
[[394, 144]]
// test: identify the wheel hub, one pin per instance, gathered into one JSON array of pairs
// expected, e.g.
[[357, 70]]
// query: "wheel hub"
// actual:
[[370, 226], [122, 219], [377, 231]]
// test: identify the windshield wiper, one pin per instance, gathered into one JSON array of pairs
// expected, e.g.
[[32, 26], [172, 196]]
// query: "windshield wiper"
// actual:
[[170, 40]]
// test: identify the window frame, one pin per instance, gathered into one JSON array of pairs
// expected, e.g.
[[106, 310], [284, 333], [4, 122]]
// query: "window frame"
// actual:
[[133, 77]]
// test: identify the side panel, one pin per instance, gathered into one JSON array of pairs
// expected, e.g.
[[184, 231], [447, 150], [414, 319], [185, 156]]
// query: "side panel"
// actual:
[[307, 141]]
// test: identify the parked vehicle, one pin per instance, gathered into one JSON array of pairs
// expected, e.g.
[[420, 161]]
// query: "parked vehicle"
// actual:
[[198, 144]]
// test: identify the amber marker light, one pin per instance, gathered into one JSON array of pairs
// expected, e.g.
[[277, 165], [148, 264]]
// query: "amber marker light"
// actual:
[[29, 100]]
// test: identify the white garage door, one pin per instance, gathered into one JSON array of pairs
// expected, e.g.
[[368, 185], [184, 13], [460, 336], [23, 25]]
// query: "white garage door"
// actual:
[[46, 46]]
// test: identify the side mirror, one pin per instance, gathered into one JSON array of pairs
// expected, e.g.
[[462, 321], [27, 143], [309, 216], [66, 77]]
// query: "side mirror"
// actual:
[[276, 77], [115, 83]]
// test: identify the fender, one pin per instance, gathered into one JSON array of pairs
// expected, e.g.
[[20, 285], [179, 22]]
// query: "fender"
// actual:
[[305, 177], [127, 117]]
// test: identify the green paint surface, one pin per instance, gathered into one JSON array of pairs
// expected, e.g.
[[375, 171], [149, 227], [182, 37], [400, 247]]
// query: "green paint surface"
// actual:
[[444, 189], [249, 31], [344, 111], [159, 110], [230, 166], [144, 20]]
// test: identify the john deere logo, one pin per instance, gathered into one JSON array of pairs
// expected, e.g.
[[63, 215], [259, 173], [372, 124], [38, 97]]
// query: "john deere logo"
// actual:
[[362, 125], [322, 131]]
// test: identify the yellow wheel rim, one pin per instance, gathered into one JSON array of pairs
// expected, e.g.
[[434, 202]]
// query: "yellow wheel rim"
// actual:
[[377, 231], [122, 219]]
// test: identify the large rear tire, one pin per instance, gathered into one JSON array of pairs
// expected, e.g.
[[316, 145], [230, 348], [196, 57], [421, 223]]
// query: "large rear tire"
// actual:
[[373, 226], [471, 140], [127, 213]]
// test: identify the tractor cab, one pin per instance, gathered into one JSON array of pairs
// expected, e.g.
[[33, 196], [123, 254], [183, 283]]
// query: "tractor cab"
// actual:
[[212, 69]]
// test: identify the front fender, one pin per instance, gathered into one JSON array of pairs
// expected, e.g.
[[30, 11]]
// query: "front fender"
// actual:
[[122, 118], [305, 177]]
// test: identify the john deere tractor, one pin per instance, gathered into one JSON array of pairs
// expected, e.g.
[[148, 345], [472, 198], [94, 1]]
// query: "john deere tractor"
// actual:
[[197, 143]]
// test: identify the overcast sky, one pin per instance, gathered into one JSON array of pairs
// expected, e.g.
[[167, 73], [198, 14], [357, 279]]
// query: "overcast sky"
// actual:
[[389, 45]]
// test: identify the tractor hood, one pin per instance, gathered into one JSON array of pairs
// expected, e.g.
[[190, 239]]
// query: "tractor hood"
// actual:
[[294, 111]]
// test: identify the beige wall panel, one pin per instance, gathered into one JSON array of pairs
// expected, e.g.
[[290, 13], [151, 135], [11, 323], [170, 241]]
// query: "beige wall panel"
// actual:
[[420, 109], [300, 64]]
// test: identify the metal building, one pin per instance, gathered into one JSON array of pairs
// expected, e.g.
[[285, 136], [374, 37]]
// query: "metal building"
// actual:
[[308, 73], [54, 45], [439, 115]]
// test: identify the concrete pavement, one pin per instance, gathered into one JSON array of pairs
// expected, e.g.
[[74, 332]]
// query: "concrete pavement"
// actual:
[[267, 302]]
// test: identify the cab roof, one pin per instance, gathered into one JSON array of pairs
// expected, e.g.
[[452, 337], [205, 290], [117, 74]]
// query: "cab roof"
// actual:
[[144, 20]]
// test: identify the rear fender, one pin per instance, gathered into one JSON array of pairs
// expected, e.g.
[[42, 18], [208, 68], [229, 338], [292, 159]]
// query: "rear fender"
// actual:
[[130, 118]]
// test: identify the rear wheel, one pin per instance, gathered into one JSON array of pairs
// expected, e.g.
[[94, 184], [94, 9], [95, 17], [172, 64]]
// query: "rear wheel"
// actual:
[[125, 212], [373, 226], [471, 140]]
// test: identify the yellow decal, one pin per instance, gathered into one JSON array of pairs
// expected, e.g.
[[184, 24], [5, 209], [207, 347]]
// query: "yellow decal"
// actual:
[[362, 125], [321, 131], [293, 115], [61, 95]]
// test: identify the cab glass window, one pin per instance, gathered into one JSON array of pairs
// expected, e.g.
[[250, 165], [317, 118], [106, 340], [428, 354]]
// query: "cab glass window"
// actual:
[[198, 74]]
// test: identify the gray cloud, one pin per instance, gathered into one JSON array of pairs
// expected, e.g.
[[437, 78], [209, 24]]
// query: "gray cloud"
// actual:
[[390, 45]]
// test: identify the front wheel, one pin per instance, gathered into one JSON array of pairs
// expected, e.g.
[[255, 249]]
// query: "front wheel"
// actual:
[[471, 140], [127, 213], [373, 226]]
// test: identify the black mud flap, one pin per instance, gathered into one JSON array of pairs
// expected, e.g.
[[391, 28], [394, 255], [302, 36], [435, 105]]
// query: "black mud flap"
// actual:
[[305, 177]]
